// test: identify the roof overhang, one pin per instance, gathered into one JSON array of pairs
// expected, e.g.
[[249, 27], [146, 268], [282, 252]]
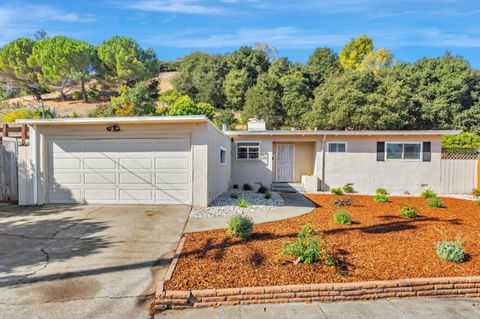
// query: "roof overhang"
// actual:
[[116, 120], [344, 133]]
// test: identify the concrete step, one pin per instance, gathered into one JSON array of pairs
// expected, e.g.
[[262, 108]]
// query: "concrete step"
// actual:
[[288, 187]]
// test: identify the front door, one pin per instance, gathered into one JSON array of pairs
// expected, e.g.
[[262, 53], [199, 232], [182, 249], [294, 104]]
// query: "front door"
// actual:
[[284, 163]]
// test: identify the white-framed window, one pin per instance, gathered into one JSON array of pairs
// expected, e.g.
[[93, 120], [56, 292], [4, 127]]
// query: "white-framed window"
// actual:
[[223, 156], [248, 150], [404, 151], [337, 147]]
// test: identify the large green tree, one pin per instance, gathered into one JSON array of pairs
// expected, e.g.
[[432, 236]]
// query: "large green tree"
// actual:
[[125, 62], [296, 98], [63, 61], [201, 77], [321, 64], [352, 55], [235, 85], [15, 69]]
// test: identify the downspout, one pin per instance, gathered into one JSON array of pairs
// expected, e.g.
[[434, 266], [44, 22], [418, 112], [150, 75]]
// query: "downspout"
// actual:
[[323, 162], [35, 160]]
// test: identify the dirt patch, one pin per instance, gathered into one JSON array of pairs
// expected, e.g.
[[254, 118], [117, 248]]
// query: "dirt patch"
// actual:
[[379, 245]]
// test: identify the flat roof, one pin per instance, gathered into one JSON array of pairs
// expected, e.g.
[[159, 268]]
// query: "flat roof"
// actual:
[[111, 120], [342, 132]]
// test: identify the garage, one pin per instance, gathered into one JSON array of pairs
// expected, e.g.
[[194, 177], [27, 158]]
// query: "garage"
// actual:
[[126, 171]]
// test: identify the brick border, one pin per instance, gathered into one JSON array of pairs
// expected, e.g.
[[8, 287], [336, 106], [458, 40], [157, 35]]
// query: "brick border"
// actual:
[[446, 287]]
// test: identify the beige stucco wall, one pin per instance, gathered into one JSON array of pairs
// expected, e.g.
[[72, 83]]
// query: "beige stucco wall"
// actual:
[[359, 166], [197, 132], [218, 174]]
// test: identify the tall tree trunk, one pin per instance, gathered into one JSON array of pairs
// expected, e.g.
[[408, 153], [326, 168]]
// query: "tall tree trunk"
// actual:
[[84, 91]]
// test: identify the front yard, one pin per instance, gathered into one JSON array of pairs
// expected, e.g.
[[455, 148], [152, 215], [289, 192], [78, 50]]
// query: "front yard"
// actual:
[[379, 244]]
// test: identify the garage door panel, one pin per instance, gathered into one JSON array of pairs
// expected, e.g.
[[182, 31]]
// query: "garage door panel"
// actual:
[[172, 178], [120, 171], [92, 195], [135, 163], [131, 178], [102, 178]]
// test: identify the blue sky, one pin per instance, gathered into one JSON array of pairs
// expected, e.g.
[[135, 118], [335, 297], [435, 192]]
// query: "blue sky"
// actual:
[[411, 29]]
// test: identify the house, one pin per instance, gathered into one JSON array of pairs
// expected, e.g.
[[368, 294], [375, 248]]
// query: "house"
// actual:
[[188, 160]]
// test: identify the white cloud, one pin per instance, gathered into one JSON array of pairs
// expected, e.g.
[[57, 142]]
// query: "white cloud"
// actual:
[[175, 6]]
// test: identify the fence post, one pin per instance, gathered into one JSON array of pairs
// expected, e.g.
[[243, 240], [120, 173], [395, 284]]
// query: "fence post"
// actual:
[[5, 130], [24, 134]]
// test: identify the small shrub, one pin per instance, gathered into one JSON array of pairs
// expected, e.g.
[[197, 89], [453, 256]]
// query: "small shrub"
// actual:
[[246, 187], [343, 202], [336, 191], [435, 202], [240, 226], [348, 188], [380, 198], [428, 193], [409, 211], [476, 192], [233, 195], [262, 189], [381, 191], [451, 250], [309, 247], [76, 95], [342, 217], [267, 195], [242, 203]]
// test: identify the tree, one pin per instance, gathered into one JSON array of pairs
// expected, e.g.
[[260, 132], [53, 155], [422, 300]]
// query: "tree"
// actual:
[[15, 69], [235, 86], [264, 101], [321, 64], [201, 77], [376, 60], [63, 62], [296, 98], [226, 117], [355, 51], [139, 100], [462, 140], [186, 106], [124, 61]]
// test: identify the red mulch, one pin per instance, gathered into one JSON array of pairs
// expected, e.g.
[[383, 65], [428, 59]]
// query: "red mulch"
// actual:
[[379, 245]]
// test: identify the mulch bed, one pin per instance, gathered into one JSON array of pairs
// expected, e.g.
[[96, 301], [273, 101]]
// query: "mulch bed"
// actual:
[[379, 245]]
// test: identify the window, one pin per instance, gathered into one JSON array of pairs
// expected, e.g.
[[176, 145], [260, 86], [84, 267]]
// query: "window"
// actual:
[[248, 150], [223, 156], [409, 151], [337, 147]]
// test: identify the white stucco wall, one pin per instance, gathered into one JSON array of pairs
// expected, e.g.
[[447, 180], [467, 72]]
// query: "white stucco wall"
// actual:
[[218, 174], [359, 166], [197, 132]]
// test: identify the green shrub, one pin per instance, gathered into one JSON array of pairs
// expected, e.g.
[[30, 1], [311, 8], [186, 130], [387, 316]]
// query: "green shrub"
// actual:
[[381, 191], [428, 193], [451, 250], [247, 187], [342, 217], [380, 198], [336, 191], [240, 226], [409, 211], [435, 202], [242, 203], [348, 188], [345, 201], [476, 192], [77, 95], [233, 195], [262, 189], [309, 247], [267, 195]]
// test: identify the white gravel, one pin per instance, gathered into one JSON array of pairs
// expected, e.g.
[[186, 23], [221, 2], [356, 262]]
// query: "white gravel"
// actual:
[[225, 205]]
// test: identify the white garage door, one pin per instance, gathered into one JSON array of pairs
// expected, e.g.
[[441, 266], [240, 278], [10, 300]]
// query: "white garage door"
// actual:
[[126, 171]]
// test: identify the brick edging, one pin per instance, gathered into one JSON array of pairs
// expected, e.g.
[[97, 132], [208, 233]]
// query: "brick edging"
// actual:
[[171, 268], [447, 287]]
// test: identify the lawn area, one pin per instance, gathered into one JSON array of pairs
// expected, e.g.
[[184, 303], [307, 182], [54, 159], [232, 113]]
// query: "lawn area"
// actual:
[[380, 244]]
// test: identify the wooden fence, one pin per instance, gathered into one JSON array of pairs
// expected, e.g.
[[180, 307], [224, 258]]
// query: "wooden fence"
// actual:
[[460, 170], [19, 131], [8, 169]]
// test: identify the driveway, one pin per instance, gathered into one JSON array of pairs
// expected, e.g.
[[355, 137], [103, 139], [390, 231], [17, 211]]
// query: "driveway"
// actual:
[[61, 261]]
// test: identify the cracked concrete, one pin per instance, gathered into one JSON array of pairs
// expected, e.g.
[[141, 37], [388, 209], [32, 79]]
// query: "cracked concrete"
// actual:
[[85, 261]]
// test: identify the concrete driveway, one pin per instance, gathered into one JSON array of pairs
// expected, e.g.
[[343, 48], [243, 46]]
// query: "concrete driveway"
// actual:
[[84, 261]]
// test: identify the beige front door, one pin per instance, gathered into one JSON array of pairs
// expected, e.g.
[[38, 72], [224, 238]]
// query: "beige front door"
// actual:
[[284, 162]]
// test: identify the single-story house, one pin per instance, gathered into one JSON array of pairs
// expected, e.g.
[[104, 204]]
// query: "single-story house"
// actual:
[[188, 160]]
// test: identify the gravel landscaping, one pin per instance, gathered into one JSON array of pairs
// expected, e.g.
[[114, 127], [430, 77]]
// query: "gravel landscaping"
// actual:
[[226, 205]]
